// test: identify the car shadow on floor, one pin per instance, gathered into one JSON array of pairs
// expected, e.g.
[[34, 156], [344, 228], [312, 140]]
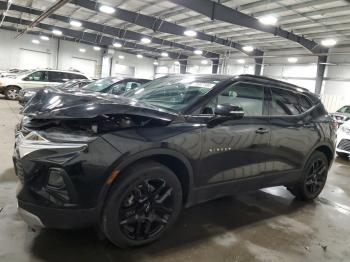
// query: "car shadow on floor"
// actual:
[[195, 224]]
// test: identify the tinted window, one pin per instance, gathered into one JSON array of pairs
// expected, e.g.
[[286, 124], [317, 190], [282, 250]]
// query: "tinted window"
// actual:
[[284, 103], [118, 88], [344, 109], [76, 76], [40, 76], [101, 85], [304, 103], [248, 96], [58, 77]]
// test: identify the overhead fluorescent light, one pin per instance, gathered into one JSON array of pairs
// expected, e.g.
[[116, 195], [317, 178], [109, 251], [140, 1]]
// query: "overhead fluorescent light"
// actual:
[[139, 56], [204, 62], [35, 41], [44, 37], [56, 32], [145, 40], [117, 44], [292, 59], [164, 54], [106, 9], [82, 50], [241, 61], [329, 42], [248, 48], [268, 20], [198, 52], [190, 33], [97, 48], [75, 23], [156, 63], [177, 63], [121, 56]]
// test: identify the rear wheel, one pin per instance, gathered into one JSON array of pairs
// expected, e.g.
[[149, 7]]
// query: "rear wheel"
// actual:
[[343, 155], [12, 92], [144, 203], [313, 178]]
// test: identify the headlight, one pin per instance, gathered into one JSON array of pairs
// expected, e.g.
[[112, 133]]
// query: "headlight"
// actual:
[[34, 141], [344, 129], [29, 93]]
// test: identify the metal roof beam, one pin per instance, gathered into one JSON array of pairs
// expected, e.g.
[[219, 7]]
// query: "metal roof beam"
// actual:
[[226, 14], [160, 25], [105, 29], [92, 38]]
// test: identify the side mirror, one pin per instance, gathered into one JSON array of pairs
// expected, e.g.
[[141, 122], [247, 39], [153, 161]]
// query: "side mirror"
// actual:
[[225, 112]]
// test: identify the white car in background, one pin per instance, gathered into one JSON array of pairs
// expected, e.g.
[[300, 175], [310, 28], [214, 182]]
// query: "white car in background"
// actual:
[[10, 86], [343, 140]]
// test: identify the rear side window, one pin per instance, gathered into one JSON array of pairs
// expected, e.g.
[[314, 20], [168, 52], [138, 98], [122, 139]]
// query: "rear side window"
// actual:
[[284, 102], [59, 77], [305, 103], [76, 76]]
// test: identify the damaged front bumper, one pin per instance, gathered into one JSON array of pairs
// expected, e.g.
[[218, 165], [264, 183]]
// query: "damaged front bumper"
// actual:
[[61, 182]]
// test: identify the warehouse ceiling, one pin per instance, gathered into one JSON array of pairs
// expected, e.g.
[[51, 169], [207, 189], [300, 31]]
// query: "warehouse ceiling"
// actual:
[[310, 20]]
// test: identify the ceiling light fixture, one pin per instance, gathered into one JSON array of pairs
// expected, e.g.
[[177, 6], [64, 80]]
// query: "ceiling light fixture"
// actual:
[[164, 54], [156, 63], [106, 9], [268, 20], [57, 32], [241, 61], [121, 57], [329, 42], [44, 37], [75, 23], [139, 56], [190, 33], [145, 40], [117, 44], [177, 63], [248, 48], [204, 62], [292, 59], [198, 52], [97, 48], [82, 50]]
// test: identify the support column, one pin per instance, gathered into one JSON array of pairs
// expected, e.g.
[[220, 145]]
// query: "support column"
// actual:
[[107, 63], [215, 66], [258, 66], [183, 66], [321, 67]]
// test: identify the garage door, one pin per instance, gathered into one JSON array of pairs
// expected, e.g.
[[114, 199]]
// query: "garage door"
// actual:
[[86, 66], [31, 59], [123, 71]]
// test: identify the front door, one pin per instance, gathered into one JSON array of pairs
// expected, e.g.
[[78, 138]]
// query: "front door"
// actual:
[[235, 149], [35, 79]]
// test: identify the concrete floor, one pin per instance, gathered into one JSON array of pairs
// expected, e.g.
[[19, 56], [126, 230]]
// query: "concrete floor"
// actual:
[[268, 225]]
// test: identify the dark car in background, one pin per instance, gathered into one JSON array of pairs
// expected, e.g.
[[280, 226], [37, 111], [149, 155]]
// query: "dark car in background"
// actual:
[[25, 95], [115, 85], [130, 163]]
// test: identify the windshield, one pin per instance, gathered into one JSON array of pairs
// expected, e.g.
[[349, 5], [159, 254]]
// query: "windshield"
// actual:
[[101, 84], [174, 92], [344, 109]]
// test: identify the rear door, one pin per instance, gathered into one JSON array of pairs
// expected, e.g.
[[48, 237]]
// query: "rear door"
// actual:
[[293, 131], [56, 77]]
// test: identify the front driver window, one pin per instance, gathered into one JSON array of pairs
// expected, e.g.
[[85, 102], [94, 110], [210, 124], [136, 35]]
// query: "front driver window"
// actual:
[[118, 89], [248, 96], [40, 76]]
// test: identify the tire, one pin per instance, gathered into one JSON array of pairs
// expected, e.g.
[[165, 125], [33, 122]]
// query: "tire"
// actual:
[[343, 155], [12, 92], [313, 178], [144, 202]]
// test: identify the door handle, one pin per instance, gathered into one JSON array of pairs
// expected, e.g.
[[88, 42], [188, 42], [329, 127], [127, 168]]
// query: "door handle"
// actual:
[[261, 131]]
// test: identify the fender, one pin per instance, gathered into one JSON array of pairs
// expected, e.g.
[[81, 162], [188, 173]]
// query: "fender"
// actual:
[[141, 155], [327, 144]]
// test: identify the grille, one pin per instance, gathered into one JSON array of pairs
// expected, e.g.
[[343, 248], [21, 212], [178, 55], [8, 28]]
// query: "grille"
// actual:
[[19, 170], [344, 144]]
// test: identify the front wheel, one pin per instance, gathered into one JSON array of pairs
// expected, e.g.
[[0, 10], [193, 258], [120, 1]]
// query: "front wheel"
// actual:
[[12, 92], [313, 178], [144, 203]]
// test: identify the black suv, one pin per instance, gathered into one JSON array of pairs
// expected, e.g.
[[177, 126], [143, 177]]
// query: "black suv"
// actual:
[[129, 164]]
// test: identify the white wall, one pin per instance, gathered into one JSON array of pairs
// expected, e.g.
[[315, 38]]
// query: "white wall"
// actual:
[[11, 52]]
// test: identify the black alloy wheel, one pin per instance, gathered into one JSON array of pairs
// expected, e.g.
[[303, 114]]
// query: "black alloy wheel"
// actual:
[[146, 209], [144, 202], [313, 178]]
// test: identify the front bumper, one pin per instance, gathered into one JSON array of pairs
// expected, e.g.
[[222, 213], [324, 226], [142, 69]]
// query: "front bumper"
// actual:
[[343, 143]]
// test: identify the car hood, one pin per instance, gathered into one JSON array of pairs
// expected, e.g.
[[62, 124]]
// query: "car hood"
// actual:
[[51, 103]]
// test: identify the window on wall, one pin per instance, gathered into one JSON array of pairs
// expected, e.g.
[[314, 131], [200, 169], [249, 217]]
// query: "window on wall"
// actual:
[[248, 96]]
